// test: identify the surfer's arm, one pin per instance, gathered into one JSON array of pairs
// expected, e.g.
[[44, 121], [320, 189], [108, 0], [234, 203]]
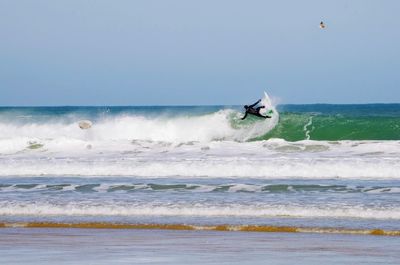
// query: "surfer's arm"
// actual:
[[255, 103], [244, 117]]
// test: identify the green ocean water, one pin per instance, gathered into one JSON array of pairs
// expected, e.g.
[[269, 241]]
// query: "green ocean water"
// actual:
[[337, 122], [294, 127]]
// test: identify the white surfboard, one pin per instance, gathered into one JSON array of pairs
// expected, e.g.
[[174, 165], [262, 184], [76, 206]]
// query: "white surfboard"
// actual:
[[85, 124], [269, 108]]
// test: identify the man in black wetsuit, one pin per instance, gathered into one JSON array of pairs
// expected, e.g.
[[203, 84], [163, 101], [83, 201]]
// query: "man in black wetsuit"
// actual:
[[254, 111]]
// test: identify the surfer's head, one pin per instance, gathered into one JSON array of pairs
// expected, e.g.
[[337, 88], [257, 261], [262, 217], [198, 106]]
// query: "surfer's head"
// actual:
[[246, 107]]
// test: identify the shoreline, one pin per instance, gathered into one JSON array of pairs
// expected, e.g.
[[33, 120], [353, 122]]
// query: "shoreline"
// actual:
[[192, 227]]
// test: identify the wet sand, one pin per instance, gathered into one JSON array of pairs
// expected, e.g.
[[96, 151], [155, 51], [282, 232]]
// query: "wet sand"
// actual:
[[111, 246]]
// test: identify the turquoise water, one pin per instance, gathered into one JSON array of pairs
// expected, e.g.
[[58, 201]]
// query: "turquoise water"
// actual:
[[338, 122]]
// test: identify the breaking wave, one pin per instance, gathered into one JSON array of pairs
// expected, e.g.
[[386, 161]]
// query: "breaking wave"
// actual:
[[220, 125]]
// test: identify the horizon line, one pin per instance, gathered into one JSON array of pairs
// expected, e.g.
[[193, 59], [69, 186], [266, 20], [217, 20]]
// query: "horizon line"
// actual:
[[178, 105]]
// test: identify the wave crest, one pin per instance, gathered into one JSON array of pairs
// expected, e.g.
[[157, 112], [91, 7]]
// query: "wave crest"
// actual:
[[220, 125]]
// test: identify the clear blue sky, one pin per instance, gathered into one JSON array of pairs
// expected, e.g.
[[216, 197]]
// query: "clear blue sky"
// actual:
[[76, 52]]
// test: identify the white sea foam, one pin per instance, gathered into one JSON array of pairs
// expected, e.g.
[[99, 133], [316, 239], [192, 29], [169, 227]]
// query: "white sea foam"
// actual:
[[267, 169], [201, 210], [264, 159], [177, 129], [244, 188]]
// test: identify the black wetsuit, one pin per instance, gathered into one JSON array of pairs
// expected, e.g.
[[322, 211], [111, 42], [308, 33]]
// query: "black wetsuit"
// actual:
[[254, 111]]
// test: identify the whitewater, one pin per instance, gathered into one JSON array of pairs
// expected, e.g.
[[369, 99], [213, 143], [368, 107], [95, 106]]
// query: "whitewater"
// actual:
[[310, 165]]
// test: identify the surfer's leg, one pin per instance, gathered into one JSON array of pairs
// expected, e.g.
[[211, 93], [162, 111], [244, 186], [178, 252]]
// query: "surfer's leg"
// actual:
[[261, 116], [258, 108]]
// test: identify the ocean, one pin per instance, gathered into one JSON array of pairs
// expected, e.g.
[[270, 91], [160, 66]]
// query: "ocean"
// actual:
[[315, 168]]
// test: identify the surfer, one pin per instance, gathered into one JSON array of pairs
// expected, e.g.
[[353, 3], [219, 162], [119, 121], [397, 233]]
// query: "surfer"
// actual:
[[254, 111]]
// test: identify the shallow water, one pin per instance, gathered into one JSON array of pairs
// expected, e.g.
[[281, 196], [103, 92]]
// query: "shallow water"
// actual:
[[367, 204], [103, 246]]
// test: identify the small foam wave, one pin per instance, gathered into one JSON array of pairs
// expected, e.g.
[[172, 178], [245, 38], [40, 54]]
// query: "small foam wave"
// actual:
[[201, 188], [324, 168], [43, 209]]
